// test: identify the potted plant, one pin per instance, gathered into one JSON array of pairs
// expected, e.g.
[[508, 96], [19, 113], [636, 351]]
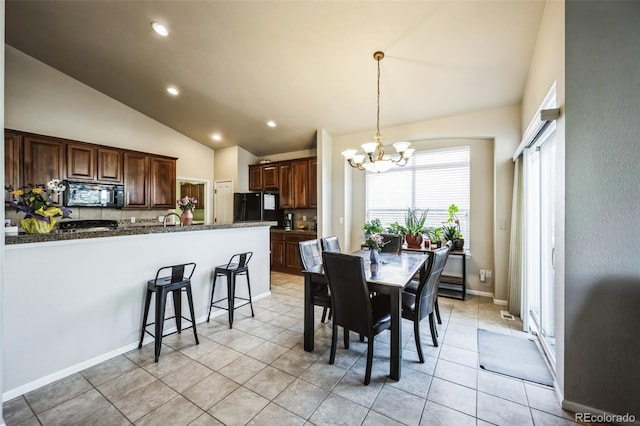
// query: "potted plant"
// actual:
[[451, 229], [372, 227], [435, 236], [414, 227]]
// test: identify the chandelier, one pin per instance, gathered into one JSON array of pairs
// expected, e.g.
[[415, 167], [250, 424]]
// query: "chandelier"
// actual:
[[374, 158]]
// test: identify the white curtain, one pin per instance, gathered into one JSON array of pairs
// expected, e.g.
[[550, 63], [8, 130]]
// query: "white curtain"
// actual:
[[516, 241]]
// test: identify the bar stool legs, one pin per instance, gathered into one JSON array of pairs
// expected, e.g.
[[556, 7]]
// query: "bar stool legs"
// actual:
[[162, 286], [231, 270]]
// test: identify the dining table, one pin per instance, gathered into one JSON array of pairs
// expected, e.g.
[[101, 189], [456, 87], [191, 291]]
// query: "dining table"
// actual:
[[389, 276]]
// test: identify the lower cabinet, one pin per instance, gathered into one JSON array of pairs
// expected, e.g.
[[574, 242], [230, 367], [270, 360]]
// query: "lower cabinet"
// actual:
[[285, 256]]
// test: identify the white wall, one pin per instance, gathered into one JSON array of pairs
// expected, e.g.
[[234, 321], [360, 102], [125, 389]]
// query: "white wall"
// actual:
[[502, 125], [602, 283], [548, 67], [84, 303], [324, 189], [2, 268], [290, 155], [244, 159], [40, 99]]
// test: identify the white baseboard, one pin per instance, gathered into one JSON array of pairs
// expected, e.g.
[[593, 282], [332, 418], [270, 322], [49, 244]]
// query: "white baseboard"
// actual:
[[479, 293], [500, 302], [580, 408], [50, 378]]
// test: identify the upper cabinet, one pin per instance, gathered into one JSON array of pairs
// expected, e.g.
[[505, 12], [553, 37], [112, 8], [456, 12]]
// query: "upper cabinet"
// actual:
[[294, 179], [81, 161], [255, 177], [300, 184], [149, 180], [313, 179], [263, 177], [136, 180], [12, 162], [286, 186], [110, 164], [163, 182]]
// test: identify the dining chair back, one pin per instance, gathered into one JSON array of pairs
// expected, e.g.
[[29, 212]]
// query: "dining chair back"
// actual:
[[353, 307], [419, 305], [310, 256], [330, 244], [393, 243]]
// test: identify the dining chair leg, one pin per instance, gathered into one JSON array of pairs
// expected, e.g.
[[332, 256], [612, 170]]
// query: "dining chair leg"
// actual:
[[434, 332], [416, 337], [324, 314], [362, 338], [330, 314], [346, 338], [334, 343], [437, 308], [367, 374]]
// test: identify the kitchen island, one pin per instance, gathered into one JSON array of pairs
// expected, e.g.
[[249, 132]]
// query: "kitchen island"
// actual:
[[73, 300]]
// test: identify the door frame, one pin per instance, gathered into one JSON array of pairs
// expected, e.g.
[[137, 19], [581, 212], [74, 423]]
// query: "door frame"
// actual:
[[207, 199]]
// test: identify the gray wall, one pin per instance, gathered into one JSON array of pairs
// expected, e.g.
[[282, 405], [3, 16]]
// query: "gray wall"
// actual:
[[602, 256]]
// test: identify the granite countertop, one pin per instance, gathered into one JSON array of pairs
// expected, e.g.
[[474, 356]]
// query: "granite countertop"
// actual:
[[295, 231], [123, 231]]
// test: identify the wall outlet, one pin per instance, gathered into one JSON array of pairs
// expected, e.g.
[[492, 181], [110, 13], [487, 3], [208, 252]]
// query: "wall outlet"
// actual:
[[133, 219], [482, 275]]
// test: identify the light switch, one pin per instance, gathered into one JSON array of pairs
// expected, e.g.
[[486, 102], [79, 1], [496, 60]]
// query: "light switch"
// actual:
[[341, 220]]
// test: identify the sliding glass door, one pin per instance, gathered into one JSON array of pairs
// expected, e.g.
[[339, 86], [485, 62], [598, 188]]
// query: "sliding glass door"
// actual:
[[540, 178]]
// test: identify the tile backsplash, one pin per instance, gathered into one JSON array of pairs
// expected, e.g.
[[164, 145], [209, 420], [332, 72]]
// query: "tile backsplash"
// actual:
[[303, 218], [120, 215]]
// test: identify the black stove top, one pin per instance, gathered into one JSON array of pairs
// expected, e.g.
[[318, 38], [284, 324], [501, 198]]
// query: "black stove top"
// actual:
[[87, 225]]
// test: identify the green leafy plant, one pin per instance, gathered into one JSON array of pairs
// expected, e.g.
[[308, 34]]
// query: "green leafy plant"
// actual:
[[451, 233], [396, 228], [434, 234], [414, 222], [372, 227]]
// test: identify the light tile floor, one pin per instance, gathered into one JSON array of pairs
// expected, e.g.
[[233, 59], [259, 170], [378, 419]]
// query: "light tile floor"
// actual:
[[258, 373]]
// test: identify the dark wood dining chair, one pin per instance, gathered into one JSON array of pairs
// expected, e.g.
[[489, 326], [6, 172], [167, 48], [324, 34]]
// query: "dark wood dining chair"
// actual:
[[416, 307], [353, 307], [310, 256], [393, 243], [330, 244]]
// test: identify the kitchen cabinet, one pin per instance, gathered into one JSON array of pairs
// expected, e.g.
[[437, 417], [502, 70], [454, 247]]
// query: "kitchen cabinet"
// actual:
[[277, 250], [12, 172], [313, 180], [263, 177], [43, 160], [300, 184], [81, 161], [163, 182], [194, 190], [149, 181], [109, 164], [136, 180], [285, 255], [286, 185], [255, 177]]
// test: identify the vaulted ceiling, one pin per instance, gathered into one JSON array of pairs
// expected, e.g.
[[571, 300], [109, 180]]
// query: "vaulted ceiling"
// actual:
[[304, 64]]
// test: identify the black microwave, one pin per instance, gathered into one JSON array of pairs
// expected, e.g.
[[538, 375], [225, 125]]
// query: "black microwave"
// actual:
[[84, 194]]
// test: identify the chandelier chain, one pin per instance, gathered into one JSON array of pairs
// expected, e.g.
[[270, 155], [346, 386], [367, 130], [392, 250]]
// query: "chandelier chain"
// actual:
[[378, 114]]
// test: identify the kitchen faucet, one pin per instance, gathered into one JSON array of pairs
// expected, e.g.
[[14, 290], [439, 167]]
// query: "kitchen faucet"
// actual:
[[164, 221]]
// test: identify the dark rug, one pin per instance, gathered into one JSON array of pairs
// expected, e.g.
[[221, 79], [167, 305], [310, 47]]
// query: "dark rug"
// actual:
[[512, 356]]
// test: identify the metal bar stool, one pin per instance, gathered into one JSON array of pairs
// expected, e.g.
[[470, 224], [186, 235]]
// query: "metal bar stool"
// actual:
[[237, 265], [179, 280]]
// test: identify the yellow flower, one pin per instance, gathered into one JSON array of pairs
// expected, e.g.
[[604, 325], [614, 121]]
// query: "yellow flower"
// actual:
[[17, 192], [36, 191]]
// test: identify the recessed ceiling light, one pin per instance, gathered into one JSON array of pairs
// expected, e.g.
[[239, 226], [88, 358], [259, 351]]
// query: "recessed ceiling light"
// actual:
[[160, 29], [172, 90], [271, 123], [216, 137]]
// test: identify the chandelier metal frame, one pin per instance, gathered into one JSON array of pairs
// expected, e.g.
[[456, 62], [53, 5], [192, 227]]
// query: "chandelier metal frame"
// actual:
[[374, 158]]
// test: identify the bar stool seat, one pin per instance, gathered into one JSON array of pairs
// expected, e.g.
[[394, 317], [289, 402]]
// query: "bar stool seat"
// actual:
[[237, 265], [176, 283]]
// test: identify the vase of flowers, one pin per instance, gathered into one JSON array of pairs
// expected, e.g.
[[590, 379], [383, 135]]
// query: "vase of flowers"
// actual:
[[187, 204], [375, 242], [35, 201]]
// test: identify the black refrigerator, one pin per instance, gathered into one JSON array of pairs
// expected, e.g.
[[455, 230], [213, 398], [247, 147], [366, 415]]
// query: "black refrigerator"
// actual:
[[257, 206]]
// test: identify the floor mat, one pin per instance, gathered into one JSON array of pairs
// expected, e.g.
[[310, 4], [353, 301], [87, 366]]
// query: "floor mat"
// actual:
[[512, 356]]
